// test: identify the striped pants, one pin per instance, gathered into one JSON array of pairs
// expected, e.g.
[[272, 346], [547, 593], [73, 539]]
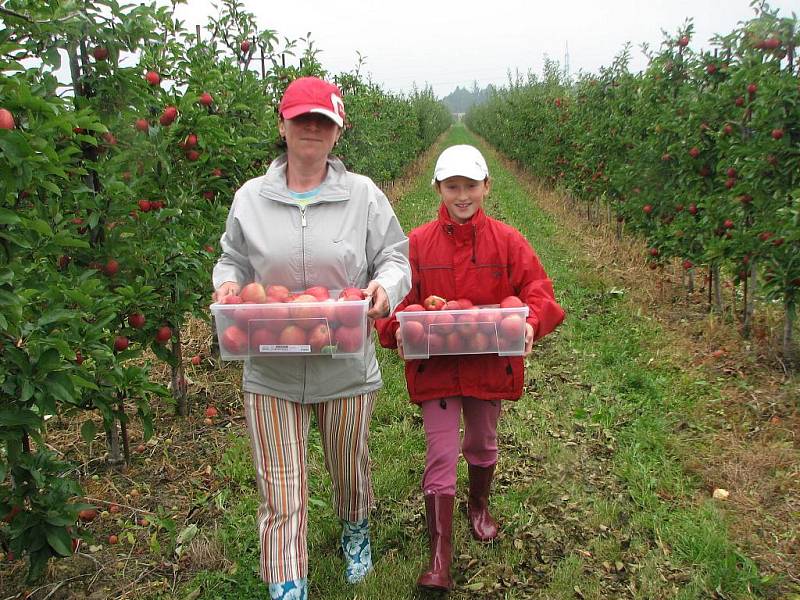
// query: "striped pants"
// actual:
[[279, 438]]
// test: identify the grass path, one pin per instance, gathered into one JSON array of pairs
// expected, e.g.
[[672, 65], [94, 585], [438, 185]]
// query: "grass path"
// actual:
[[591, 492]]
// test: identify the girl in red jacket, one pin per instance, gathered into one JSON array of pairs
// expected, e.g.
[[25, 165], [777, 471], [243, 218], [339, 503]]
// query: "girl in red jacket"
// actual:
[[466, 254]]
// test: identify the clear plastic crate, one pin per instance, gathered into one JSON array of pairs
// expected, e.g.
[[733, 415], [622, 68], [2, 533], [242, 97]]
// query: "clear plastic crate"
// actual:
[[479, 330], [336, 328]]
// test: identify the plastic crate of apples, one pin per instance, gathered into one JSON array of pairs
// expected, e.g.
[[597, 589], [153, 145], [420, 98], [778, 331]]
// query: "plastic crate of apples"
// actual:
[[439, 327], [271, 321]]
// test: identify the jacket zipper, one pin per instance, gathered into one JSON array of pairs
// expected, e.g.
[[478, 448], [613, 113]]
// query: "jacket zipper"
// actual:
[[305, 284]]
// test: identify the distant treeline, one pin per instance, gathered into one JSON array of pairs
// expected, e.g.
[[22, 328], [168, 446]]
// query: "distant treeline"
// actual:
[[461, 99]]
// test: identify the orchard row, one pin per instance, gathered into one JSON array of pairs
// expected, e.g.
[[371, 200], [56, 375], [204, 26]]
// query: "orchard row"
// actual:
[[699, 153], [115, 187]]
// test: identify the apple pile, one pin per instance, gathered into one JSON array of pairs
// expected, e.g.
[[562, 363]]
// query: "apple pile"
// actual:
[[273, 315], [439, 326]]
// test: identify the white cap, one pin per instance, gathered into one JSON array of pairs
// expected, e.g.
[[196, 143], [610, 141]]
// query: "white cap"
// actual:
[[464, 160]]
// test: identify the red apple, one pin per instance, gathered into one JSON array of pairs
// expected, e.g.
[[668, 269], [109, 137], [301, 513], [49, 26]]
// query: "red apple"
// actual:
[[348, 313], [275, 315], [100, 53], [136, 320], [190, 141], [444, 318], [196, 360], [87, 515], [254, 293], [163, 334], [694, 151], [414, 308], [205, 99], [111, 268], [319, 337], [152, 78], [511, 302], [302, 310], [144, 205], [262, 337], [142, 125], [168, 116], [465, 303], [453, 343], [451, 305], [647, 208], [245, 46], [248, 312], [234, 340], [683, 41], [512, 327], [349, 339], [211, 412], [479, 342], [467, 323], [113, 539], [6, 119], [413, 333], [435, 343], [121, 343], [352, 293], [230, 299], [279, 292], [292, 335], [192, 155], [777, 134], [320, 292], [434, 302]]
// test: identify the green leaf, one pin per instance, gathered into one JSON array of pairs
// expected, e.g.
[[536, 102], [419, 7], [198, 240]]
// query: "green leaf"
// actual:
[[17, 416], [50, 359], [59, 540], [41, 227], [88, 431], [38, 563], [67, 241], [8, 217], [59, 314]]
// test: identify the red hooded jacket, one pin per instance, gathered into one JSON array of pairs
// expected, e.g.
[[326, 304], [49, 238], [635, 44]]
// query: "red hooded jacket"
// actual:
[[483, 260]]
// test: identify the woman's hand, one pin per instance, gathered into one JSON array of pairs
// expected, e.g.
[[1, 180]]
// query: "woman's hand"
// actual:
[[380, 300], [528, 338], [229, 288]]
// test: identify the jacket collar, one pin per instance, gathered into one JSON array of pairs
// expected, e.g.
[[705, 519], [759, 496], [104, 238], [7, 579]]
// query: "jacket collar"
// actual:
[[460, 232], [333, 188]]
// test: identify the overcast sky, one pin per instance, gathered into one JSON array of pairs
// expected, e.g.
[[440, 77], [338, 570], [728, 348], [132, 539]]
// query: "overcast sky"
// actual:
[[446, 44]]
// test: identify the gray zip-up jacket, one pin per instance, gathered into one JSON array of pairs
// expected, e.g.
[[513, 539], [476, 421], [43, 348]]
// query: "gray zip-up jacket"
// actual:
[[347, 236]]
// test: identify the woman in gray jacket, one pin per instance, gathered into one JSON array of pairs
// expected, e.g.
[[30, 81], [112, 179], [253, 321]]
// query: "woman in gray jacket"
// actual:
[[310, 222]]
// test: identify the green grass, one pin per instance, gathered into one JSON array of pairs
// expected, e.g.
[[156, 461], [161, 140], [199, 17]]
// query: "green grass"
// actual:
[[591, 493]]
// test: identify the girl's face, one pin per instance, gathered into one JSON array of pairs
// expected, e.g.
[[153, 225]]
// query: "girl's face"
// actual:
[[310, 136], [462, 196]]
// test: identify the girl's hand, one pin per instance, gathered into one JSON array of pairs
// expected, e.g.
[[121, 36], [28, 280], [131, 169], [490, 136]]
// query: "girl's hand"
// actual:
[[399, 337], [528, 338], [229, 288]]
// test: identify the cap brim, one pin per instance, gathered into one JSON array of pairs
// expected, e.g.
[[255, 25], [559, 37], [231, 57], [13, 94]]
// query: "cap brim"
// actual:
[[476, 174], [302, 109]]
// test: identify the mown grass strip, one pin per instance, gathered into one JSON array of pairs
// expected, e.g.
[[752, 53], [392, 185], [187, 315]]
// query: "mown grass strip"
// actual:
[[590, 490]]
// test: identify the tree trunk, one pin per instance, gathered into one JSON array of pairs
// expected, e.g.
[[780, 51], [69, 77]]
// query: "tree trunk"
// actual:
[[716, 285], [178, 378], [789, 316], [749, 301], [113, 442], [123, 428], [690, 280]]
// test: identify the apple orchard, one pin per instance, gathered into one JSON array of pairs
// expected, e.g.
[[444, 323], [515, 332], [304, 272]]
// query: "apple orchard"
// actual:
[[699, 154], [115, 184]]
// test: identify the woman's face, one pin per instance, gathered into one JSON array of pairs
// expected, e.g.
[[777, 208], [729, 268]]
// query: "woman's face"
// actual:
[[462, 196], [310, 136]]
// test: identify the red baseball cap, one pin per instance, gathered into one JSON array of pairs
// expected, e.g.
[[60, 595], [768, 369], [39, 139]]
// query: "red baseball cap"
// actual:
[[312, 95]]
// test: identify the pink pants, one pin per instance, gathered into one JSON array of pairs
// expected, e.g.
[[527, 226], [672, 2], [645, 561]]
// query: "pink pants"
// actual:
[[441, 420]]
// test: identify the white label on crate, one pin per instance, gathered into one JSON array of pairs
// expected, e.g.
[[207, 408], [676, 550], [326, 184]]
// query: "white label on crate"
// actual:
[[284, 348]]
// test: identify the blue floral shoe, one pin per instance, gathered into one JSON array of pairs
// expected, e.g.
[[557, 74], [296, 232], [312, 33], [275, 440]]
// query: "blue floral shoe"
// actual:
[[356, 549], [296, 589]]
